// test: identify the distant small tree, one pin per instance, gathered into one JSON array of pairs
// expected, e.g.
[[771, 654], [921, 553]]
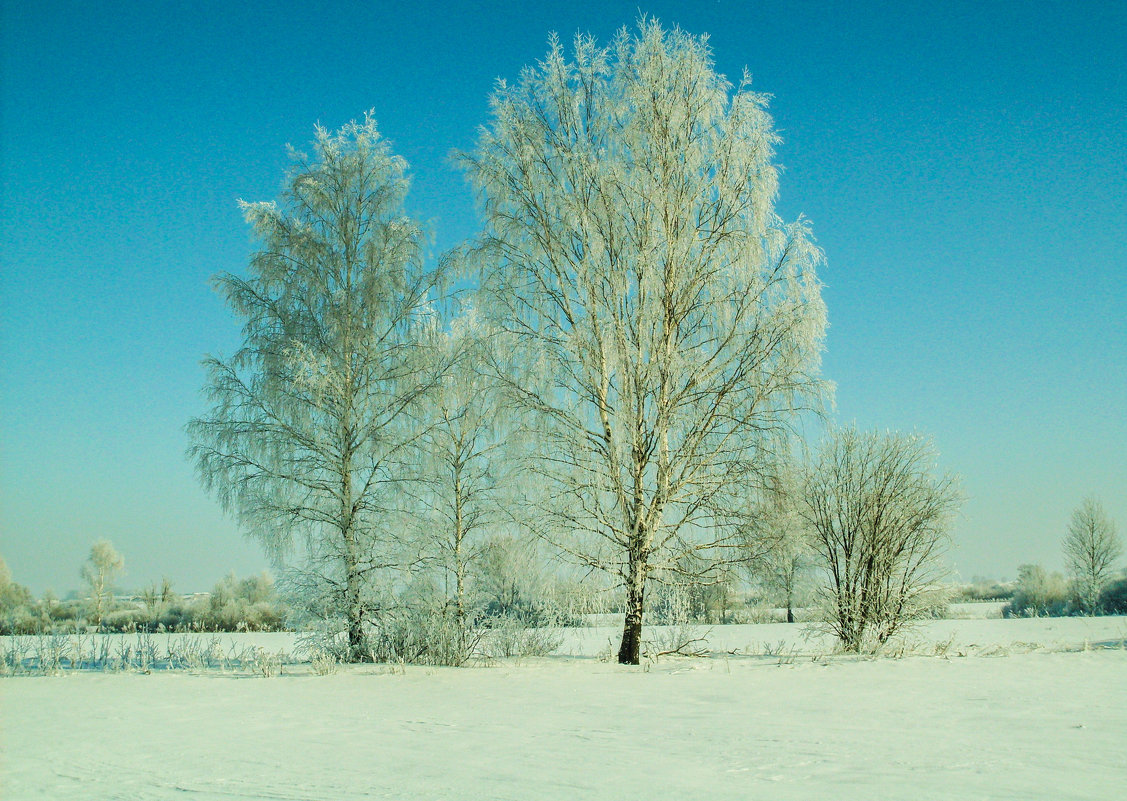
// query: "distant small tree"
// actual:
[[511, 577], [11, 594], [878, 518], [784, 570], [1091, 549], [99, 572], [782, 558], [157, 597]]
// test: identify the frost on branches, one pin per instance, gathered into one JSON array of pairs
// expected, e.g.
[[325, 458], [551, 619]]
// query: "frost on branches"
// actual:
[[311, 418], [632, 255]]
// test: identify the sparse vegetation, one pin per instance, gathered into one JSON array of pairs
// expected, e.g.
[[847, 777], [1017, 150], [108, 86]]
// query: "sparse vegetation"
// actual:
[[145, 652]]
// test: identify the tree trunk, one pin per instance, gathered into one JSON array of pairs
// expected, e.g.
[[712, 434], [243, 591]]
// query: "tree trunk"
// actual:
[[630, 652], [354, 611], [357, 645], [459, 564]]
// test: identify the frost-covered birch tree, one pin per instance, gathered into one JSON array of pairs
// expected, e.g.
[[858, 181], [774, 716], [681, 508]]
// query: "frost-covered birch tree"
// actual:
[[465, 458], [777, 549], [99, 572], [631, 252], [1091, 548], [782, 558], [312, 417]]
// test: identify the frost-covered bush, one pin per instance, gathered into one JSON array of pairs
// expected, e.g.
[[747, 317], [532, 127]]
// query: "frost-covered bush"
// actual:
[[1039, 593], [509, 637], [432, 636], [422, 633], [64, 612], [1113, 599], [17, 615], [424, 636], [129, 619], [984, 589], [248, 604], [323, 663]]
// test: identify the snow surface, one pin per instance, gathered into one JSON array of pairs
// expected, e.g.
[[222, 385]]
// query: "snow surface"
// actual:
[[1019, 709]]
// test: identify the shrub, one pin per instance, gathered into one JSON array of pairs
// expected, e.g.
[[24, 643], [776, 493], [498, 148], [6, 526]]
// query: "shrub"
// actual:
[[1113, 599], [424, 637], [16, 614], [1039, 593], [130, 619], [509, 638], [878, 518], [983, 589]]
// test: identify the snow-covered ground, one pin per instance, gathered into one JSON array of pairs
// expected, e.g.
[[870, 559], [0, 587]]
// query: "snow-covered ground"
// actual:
[[985, 709]]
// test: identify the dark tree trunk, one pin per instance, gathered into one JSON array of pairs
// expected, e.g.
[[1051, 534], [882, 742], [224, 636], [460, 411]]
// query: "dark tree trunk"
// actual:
[[357, 642], [357, 650], [630, 652]]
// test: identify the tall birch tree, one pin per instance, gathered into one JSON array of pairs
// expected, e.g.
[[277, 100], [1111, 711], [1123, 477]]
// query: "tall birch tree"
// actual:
[[631, 252], [312, 417]]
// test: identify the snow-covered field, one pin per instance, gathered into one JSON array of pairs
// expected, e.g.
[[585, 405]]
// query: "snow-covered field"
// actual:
[[983, 709]]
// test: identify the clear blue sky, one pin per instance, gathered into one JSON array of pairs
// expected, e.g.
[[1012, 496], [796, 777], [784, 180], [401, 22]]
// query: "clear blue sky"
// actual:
[[964, 165]]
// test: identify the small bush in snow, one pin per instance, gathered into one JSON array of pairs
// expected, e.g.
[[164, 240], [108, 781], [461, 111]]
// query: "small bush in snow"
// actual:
[[1039, 593]]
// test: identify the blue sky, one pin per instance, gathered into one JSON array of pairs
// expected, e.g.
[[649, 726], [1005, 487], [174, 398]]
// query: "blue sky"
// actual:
[[964, 166]]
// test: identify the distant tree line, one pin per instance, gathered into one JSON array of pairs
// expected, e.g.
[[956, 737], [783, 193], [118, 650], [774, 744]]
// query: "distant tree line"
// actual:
[[1092, 549], [247, 604], [514, 585], [1094, 584]]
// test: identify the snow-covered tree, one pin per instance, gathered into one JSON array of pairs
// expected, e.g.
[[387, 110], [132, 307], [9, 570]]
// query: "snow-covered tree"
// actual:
[[632, 254], [465, 469], [313, 417], [1091, 549], [15, 601], [786, 563], [100, 571], [878, 519], [779, 549]]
